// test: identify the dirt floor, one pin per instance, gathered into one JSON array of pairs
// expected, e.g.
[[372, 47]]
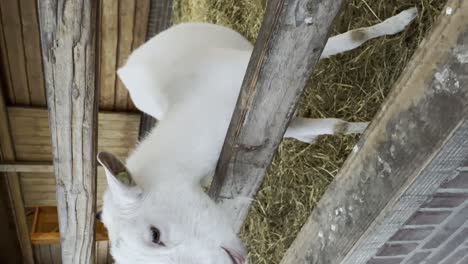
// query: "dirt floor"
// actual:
[[351, 86]]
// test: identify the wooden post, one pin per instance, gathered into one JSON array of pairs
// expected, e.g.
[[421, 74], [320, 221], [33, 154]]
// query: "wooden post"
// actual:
[[13, 187], [418, 140], [160, 18], [290, 43], [68, 51]]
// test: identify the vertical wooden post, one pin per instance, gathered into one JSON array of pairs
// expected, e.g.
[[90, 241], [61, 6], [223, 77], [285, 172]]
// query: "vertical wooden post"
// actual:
[[68, 51], [160, 18], [290, 43]]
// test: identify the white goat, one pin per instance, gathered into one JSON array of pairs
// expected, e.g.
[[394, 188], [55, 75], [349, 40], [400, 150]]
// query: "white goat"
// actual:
[[188, 77]]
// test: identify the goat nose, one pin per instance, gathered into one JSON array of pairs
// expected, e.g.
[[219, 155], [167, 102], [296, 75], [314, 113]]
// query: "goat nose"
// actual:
[[236, 257]]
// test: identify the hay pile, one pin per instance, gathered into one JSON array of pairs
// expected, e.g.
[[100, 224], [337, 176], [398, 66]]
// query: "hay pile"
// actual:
[[350, 86]]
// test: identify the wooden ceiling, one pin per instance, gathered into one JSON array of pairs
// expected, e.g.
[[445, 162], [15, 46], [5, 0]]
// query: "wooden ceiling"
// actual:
[[122, 28]]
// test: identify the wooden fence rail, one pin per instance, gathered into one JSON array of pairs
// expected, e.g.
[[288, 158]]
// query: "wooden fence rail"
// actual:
[[68, 30], [290, 43], [417, 141]]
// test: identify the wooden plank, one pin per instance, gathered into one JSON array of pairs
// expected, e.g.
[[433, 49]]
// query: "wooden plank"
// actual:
[[108, 52], [46, 257], [32, 50], [11, 21], [26, 167], [31, 134], [159, 19], [126, 20], [415, 142], [37, 254], [140, 24], [102, 249], [10, 250], [13, 186], [290, 43], [55, 253], [68, 32], [5, 67]]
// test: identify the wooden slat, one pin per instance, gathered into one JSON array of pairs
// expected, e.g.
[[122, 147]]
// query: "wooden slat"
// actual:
[[9, 245], [5, 75], [108, 52], [55, 253], [32, 50], [159, 19], [11, 21], [37, 254], [26, 167], [126, 20], [39, 188], [291, 40], [46, 256], [68, 32], [142, 8], [417, 140], [31, 134], [102, 249], [160, 16], [13, 186]]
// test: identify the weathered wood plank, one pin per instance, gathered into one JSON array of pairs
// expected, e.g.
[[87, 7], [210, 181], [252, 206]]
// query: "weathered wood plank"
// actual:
[[117, 132], [13, 186], [46, 256], [68, 33], [55, 253], [291, 40], [416, 141], [26, 167], [10, 250], [126, 25], [102, 249], [32, 51], [39, 188], [142, 9], [160, 18], [7, 86], [108, 52], [11, 21]]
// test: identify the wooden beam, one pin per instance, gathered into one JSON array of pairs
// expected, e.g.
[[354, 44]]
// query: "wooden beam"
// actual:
[[160, 18], [13, 186], [417, 140], [68, 33], [290, 43], [35, 167]]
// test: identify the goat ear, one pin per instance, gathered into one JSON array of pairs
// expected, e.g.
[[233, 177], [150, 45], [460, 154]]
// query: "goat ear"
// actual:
[[118, 178]]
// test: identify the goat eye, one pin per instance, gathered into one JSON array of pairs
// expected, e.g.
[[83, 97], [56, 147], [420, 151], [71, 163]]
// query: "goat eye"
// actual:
[[156, 236]]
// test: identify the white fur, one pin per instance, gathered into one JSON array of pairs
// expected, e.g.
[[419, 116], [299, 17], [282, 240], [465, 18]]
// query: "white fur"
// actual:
[[189, 78]]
